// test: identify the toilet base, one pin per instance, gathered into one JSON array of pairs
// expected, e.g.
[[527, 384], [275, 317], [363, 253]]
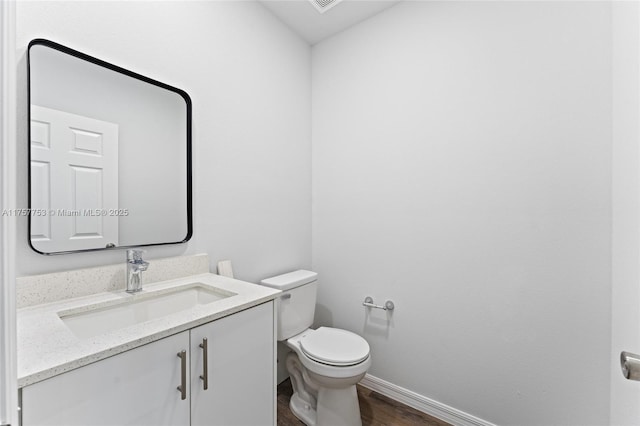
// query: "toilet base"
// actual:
[[302, 410], [335, 407], [318, 400], [338, 407]]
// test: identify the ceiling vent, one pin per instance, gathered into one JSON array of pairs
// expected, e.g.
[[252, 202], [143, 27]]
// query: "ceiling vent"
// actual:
[[323, 5]]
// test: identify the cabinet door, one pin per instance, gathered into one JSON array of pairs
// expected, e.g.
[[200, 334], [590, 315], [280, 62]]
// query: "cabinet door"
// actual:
[[137, 387], [241, 370]]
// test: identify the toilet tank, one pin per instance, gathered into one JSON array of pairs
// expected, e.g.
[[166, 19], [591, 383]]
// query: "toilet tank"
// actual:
[[297, 305]]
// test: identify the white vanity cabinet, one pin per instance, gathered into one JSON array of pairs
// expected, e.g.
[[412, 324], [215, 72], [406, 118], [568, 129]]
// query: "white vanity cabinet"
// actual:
[[137, 387], [140, 386], [241, 382]]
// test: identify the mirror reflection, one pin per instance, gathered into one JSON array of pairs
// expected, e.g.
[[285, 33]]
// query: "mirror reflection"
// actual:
[[109, 155]]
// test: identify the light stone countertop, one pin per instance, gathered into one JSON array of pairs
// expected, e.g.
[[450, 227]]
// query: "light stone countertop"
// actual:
[[46, 347]]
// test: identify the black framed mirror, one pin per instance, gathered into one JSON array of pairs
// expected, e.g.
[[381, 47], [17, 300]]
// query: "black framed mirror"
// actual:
[[109, 155]]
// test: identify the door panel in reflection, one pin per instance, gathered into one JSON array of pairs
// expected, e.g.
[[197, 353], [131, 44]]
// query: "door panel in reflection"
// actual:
[[74, 179]]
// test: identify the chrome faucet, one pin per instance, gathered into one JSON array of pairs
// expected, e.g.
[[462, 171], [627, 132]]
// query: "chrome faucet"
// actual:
[[135, 267]]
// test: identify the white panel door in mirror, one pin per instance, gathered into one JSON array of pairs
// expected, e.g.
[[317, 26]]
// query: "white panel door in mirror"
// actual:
[[74, 181]]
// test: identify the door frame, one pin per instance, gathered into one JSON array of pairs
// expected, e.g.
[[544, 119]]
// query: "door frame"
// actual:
[[8, 189]]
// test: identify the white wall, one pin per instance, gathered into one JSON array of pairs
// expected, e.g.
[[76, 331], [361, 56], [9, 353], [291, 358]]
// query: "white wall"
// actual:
[[462, 168], [249, 79], [625, 336]]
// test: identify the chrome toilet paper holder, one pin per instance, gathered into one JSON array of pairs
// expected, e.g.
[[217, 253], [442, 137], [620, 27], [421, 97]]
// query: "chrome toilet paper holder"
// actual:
[[630, 364], [388, 304]]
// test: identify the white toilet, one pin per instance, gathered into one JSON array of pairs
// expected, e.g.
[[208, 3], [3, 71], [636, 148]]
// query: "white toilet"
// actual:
[[326, 363]]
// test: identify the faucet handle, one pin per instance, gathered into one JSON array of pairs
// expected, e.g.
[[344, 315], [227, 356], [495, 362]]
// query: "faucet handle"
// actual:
[[135, 255]]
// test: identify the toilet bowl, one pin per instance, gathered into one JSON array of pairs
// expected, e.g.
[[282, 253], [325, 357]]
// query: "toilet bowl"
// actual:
[[325, 364], [332, 361]]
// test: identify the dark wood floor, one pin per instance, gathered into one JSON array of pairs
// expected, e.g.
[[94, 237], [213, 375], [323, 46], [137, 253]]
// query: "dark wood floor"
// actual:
[[376, 410]]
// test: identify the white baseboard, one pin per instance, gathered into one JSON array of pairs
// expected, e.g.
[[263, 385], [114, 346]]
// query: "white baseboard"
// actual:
[[422, 403]]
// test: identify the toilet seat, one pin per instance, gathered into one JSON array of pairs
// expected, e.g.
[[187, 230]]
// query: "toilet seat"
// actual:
[[334, 346], [321, 367]]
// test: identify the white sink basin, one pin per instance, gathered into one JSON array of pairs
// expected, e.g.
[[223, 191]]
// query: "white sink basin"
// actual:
[[98, 319]]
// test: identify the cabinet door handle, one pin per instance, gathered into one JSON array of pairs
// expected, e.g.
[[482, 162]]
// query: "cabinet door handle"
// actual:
[[205, 363], [183, 372]]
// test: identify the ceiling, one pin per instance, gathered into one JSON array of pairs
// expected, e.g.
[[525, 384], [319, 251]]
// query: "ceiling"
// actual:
[[303, 18]]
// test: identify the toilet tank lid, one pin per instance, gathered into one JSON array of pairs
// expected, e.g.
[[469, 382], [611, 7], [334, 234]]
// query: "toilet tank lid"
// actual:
[[290, 280]]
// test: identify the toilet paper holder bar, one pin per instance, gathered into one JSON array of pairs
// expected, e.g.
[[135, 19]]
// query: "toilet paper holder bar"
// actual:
[[388, 305], [630, 364]]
